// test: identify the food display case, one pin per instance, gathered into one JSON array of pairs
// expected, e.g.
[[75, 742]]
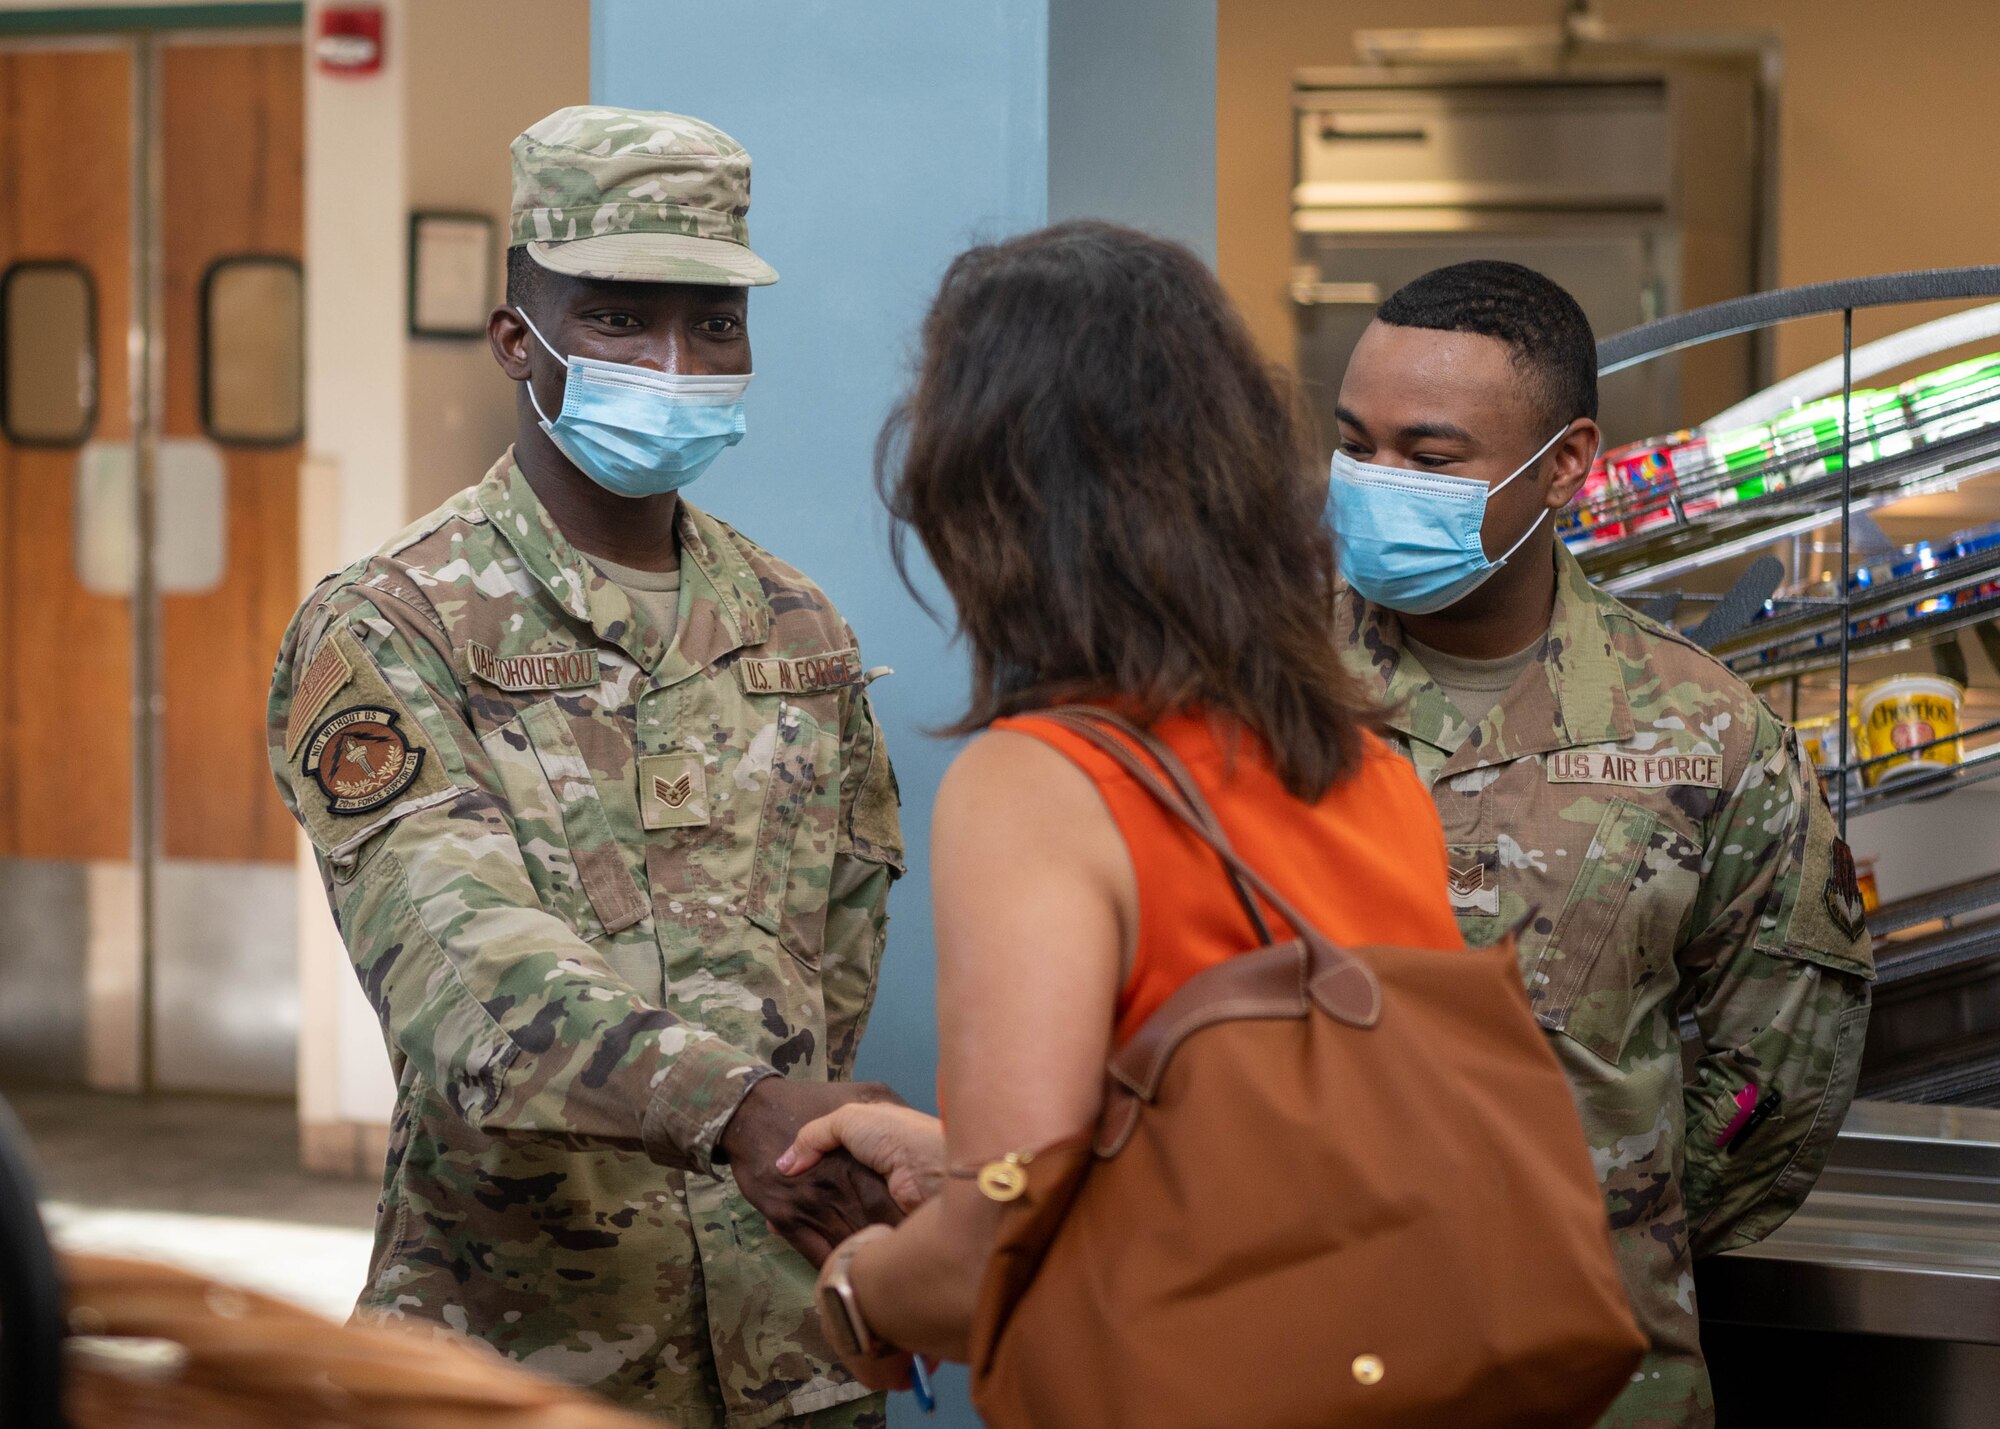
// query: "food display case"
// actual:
[[1766, 533]]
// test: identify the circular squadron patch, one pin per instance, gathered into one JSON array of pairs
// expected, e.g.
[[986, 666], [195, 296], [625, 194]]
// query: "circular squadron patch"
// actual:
[[360, 760]]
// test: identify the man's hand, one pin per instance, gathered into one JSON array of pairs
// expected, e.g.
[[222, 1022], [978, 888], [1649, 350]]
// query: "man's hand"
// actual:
[[898, 1142], [817, 1210]]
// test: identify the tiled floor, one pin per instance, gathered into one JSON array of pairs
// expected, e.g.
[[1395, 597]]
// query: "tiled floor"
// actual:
[[211, 1183]]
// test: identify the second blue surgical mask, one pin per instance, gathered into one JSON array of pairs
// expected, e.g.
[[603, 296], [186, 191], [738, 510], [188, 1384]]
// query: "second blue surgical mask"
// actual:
[[638, 432], [1411, 540]]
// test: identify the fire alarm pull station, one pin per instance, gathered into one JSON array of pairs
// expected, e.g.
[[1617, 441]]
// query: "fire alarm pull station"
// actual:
[[350, 40]]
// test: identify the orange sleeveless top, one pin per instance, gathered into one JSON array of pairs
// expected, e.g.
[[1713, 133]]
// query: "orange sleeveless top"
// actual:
[[1366, 863]]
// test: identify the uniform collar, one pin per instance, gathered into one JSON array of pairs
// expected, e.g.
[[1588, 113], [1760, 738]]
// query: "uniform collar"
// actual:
[[1573, 695], [724, 601]]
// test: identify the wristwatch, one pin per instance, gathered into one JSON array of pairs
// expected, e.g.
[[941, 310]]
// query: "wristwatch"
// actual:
[[839, 1309]]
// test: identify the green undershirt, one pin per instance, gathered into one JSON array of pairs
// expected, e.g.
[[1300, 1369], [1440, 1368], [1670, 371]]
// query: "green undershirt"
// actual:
[[1474, 686], [657, 594]]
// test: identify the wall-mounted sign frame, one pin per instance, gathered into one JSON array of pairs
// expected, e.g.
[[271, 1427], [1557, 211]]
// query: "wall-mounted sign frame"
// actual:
[[453, 263]]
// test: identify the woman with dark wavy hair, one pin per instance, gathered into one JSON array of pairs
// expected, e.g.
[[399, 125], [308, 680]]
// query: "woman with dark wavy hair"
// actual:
[[1118, 495]]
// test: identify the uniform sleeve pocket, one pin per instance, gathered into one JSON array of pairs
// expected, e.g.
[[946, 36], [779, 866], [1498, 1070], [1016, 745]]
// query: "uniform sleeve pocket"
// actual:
[[1575, 988], [565, 834], [796, 832]]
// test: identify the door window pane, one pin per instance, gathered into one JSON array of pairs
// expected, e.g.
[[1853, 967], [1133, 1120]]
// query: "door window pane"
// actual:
[[48, 354], [253, 351]]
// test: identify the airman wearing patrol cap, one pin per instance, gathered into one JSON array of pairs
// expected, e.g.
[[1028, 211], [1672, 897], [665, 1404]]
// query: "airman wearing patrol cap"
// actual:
[[608, 826], [1606, 786]]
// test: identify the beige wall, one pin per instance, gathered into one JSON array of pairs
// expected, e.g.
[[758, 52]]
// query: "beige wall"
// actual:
[[480, 71], [394, 423], [1888, 128], [352, 489]]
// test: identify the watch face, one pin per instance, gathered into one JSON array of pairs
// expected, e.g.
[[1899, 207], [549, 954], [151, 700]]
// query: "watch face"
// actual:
[[836, 1318]]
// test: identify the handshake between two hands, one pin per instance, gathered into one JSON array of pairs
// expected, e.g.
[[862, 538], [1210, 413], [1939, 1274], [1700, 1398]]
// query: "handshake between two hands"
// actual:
[[822, 1160]]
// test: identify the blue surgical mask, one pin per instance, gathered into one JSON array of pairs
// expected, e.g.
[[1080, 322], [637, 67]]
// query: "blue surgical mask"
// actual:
[[1410, 540], [638, 432]]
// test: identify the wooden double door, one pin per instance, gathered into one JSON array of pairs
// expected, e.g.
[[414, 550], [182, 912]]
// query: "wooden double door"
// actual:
[[151, 425]]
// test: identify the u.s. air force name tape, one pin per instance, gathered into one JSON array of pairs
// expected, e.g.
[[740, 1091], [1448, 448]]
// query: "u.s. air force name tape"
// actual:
[[1634, 771], [801, 676]]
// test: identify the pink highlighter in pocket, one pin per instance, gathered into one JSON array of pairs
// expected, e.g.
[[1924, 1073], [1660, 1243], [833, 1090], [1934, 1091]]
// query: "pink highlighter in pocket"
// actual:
[[1746, 1104]]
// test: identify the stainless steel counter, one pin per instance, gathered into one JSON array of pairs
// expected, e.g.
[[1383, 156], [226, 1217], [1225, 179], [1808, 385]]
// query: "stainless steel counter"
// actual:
[[1878, 1303], [1901, 1236]]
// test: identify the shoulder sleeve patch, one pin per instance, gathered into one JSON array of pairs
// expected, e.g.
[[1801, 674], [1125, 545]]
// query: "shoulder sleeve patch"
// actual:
[[321, 681], [875, 822], [1843, 892], [360, 760], [1824, 922]]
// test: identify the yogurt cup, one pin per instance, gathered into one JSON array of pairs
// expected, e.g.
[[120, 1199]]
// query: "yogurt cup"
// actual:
[[1904, 712]]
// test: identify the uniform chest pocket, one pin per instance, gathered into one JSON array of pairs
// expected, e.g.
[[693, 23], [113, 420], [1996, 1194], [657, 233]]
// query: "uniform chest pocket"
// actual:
[[792, 869], [572, 857], [1603, 954]]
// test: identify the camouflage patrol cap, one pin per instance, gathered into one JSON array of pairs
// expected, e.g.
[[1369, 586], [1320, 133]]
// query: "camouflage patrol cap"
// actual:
[[636, 196]]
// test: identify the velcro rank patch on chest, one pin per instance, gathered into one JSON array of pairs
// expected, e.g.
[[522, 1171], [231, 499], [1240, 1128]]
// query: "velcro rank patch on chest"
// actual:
[[673, 791], [804, 675], [1471, 890], [1635, 771], [540, 670]]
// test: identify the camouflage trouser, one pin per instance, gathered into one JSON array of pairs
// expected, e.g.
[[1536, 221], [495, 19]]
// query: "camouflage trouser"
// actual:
[[869, 1413], [1663, 1396]]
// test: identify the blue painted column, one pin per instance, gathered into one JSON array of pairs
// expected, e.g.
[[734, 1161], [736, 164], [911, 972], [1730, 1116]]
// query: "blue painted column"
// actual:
[[885, 138]]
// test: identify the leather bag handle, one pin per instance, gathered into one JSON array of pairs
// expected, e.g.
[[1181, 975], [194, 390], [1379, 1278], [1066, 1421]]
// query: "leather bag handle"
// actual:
[[1341, 983]]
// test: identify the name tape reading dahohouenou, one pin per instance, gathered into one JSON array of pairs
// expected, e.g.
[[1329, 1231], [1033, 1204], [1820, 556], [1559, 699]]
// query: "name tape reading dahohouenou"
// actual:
[[542, 670]]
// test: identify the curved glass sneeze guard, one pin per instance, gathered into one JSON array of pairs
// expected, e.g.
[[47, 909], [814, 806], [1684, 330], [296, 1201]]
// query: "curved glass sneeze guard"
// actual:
[[1934, 1035]]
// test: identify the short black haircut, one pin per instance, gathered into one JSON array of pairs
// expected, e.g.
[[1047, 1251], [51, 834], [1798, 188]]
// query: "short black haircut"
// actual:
[[527, 280], [1543, 327]]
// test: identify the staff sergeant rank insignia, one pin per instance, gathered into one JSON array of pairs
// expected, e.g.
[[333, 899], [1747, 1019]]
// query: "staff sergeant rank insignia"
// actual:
[[360, 760]]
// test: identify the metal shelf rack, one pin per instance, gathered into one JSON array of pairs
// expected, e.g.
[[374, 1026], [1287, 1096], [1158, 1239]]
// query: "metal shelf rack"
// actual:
[[1684, 541], [1805, 637], [1692, 541]]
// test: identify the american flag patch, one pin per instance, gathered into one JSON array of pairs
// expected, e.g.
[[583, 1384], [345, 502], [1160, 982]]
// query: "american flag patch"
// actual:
[[323, 678]]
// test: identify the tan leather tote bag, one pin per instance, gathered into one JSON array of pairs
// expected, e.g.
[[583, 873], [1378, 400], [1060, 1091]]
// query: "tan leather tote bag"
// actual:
[[1330, 1188]]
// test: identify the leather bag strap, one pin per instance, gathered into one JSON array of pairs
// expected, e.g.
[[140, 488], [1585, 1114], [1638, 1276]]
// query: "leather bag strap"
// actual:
[[1085, 722], [1344, 985]]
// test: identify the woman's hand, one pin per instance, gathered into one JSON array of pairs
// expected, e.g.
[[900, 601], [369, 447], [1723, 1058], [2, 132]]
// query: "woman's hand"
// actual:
[[900, 1143]]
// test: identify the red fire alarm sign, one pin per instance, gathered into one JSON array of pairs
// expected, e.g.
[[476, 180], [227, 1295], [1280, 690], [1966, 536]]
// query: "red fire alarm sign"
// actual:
[[350, 39]]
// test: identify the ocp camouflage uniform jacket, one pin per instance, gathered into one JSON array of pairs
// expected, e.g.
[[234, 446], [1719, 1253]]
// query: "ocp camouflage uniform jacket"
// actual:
[[595, 885], [1666, 834]]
